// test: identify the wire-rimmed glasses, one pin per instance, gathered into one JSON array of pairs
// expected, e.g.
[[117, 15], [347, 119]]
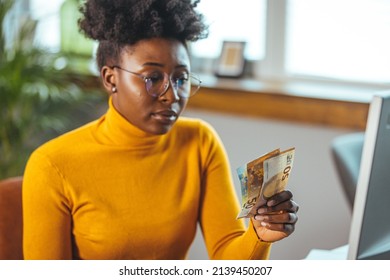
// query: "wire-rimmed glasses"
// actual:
[[157, 82]]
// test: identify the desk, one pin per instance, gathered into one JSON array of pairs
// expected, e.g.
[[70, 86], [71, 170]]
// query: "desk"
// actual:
[[339, 253], [313, 103]]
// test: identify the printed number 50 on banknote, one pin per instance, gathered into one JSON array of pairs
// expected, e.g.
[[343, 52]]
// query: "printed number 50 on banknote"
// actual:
[[262, 178]]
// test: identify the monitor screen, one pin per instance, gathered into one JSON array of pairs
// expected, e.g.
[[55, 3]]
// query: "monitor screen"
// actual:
[[370, 228]]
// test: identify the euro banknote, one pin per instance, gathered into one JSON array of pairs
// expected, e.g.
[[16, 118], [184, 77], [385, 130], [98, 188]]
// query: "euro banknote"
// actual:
[[263, 177]]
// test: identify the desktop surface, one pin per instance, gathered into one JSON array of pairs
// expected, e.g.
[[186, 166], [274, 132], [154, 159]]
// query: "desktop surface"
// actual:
[[339, 253]]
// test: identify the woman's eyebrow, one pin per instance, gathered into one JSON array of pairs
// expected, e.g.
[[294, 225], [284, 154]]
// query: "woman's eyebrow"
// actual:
[[162, 65], [181, 66], [153, 64]]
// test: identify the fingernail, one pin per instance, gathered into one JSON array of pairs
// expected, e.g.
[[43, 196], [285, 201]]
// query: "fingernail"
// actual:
[[263, 224], [261, 210], [259, 218], [271, 203]]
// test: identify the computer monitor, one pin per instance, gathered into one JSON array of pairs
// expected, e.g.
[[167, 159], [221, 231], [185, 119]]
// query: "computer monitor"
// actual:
[[370, 228]]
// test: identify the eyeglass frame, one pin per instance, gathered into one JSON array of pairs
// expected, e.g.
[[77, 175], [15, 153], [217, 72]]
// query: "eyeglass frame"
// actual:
[[166, 85]]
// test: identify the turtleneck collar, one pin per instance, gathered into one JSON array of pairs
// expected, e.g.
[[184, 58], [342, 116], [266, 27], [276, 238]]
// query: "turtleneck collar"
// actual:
[[114, 129]]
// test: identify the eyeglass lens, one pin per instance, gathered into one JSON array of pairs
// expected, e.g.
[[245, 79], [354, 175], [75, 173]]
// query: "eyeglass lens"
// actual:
[[158, 83]]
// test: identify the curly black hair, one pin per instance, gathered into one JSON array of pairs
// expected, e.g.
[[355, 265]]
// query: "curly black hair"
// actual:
[[119, 23]]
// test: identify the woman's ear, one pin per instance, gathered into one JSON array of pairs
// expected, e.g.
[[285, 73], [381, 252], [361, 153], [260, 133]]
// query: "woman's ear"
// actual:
[[109, 79]]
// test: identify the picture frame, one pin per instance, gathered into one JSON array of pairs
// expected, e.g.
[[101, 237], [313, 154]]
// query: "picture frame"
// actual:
[[231, 61]]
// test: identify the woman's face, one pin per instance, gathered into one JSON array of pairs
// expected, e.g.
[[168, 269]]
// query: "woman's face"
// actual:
[[148, 59]]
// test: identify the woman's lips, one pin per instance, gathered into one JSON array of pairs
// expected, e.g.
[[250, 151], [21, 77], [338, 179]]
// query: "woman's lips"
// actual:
[[165, 116]]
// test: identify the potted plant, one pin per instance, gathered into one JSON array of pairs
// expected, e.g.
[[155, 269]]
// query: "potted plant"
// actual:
[[38, 98]]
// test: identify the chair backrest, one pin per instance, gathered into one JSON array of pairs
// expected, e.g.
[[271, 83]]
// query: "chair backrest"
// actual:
[[11, 219], [347, 153]]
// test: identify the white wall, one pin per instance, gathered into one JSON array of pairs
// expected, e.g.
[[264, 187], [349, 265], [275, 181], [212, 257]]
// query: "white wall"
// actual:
[[324, 216]]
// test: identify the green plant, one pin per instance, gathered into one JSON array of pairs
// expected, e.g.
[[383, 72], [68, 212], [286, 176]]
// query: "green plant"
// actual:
[[37, 99]]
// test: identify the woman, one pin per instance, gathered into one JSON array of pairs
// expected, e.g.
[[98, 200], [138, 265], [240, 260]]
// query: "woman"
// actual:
[[135, 183]]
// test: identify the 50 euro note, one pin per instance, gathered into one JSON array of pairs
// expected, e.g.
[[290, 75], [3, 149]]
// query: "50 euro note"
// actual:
[[263, 177]]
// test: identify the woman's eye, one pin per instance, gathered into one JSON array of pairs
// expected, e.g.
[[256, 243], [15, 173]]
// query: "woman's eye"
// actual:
[[181, 80], [154, 77]]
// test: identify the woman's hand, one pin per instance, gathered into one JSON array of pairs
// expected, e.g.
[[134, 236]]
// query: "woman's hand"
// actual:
[[276, 220]]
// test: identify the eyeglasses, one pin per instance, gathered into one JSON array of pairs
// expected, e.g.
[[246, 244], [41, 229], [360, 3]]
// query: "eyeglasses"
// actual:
[[157, 82]]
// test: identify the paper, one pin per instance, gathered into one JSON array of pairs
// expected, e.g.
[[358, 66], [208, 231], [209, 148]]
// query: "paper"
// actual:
[[262, 178]]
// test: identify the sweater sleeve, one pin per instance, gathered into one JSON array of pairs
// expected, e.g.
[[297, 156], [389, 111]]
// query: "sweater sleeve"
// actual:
[[225, 236], [46, 217]]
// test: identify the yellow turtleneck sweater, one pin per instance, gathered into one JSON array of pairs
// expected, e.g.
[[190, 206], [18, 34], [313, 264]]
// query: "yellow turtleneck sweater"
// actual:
[[111, 191]]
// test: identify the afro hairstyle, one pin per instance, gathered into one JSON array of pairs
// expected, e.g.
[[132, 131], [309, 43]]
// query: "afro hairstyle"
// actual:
[[119, 23]]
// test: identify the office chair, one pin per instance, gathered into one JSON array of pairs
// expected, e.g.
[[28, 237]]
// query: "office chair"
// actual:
[[11, 221], [346, 153]]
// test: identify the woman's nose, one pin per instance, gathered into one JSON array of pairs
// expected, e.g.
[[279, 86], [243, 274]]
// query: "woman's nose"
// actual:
[[171, 92]]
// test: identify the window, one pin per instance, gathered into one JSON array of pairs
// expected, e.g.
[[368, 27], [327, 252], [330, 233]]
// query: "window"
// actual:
[[48, 28], [339, 39], [234, 20], [333, 39]]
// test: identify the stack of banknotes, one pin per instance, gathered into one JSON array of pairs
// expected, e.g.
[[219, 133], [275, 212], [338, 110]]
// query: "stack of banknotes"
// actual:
[[263, 177]]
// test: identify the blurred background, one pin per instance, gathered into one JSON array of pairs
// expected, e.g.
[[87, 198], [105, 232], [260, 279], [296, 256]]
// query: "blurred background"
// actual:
[[311, 68]]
